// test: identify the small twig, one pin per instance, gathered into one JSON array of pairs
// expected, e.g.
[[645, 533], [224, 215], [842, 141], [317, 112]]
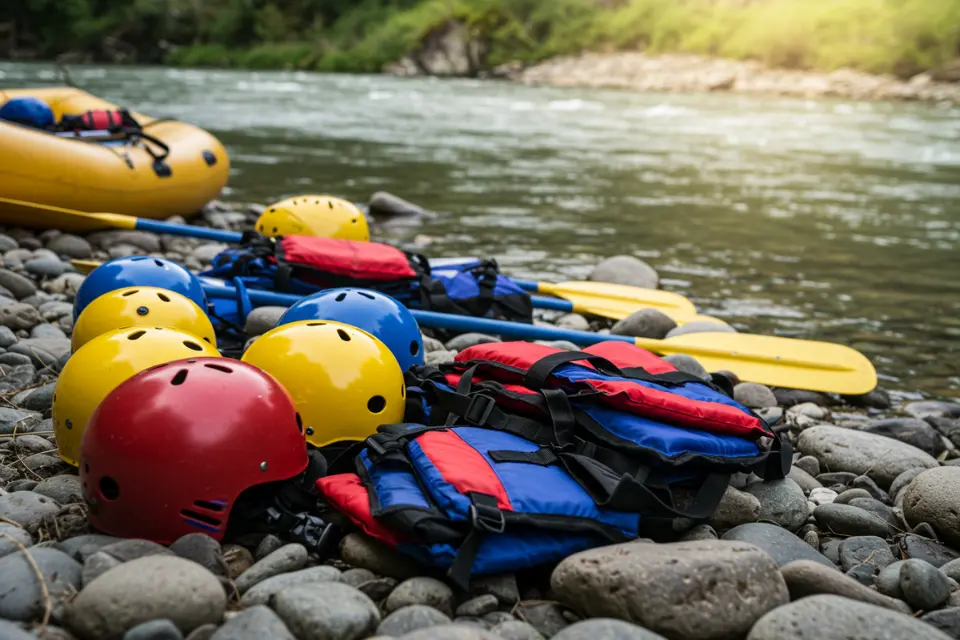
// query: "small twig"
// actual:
[[47, 601], [9, 521], [14, 436]]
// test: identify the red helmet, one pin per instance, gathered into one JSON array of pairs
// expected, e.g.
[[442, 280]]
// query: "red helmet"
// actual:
[[170, 450]]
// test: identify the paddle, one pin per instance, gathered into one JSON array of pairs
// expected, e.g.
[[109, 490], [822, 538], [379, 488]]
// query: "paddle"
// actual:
[[771, 360], [615, 309], [591, 298]]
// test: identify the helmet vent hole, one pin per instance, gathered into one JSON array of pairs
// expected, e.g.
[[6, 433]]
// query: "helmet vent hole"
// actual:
[[414, 347], [343, 335], [86, 468], [209, 506], [366, 295], [109, 488], [376, 404], [219, 367], [299, 423], [130, 293], [207, 340], [158, 263], [192, 345], [274, 229], [403, 391], [330, 203], [180, 378], [199, 517], [163, 297], [340, 297], [316, 324], [354, 221], [136, 335]]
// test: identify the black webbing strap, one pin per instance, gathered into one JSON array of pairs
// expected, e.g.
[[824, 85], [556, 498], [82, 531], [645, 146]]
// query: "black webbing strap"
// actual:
[[668, 378], [536, 376], [543, 456], [485, 517], [561, 414], [777, 464], [638, 493]]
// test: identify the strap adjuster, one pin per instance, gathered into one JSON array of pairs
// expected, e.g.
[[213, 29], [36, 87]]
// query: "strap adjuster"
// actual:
[[491, 520], [479, 410]]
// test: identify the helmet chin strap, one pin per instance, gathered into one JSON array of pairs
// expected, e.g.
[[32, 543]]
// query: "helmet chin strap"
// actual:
[[291, 512]]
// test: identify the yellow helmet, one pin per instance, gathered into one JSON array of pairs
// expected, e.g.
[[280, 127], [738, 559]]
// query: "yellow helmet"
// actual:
[[100, 365], [344, 381], [141, 307], [323, 216]]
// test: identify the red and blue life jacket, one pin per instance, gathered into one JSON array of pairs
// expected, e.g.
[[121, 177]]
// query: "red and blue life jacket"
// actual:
[[523, 453], [306, 264]]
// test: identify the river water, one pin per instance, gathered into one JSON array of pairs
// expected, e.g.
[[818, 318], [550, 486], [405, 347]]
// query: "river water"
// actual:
[[827, 220]]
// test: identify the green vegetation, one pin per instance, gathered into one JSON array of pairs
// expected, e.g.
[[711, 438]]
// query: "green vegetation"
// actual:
[[896, 36]]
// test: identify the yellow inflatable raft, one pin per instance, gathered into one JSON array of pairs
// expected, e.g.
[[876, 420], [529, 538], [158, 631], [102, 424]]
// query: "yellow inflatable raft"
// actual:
[[127, 174]]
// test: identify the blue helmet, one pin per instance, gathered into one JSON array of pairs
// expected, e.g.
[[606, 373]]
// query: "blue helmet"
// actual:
[[29, 111], [138, 271], [374, 312]]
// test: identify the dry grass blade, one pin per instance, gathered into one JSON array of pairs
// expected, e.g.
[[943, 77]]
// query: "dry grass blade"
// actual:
[[47, 601]]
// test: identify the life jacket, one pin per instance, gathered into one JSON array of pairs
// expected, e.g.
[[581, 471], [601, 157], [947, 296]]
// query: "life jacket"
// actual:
[[626, 424], [99, 120], [444, 497], [306, 264], [521, 454]]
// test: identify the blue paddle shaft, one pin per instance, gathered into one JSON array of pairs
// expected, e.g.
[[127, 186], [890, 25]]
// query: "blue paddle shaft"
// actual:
[[432, 319], [188, 230]]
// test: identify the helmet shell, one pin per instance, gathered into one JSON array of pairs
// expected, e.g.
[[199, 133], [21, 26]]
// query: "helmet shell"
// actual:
[[314, 215], [376, 313], [169, 450], [29, 111], [138, 271], [141, 307], [102, 364], [344, 382]]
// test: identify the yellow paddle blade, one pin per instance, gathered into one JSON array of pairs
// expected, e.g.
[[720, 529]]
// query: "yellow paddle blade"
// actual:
[[85, 266], [775, 361], [603, 294], [618, 309], [19, 213]]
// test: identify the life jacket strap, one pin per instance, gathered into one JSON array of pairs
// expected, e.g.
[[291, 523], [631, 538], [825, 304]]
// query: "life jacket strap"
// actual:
[[485, 517]]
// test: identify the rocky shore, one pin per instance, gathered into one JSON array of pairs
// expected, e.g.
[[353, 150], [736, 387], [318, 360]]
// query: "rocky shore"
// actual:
[[690, 73], [861, 540]]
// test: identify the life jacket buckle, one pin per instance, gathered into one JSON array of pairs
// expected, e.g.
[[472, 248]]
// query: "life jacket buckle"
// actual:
[[479, 410], [490, 520]]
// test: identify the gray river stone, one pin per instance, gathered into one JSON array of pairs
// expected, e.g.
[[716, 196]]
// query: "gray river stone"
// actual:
[[421, 590], [805, 578], [830, 617], [844, 519], [21, 595], [411, 618], [326, 611], [781, 502], [147, 588], [285, 559], [934, 497], [880, 458], [606, 629], [781, 545], [922, 585], [252, 624], [653, 585], [263, 591]]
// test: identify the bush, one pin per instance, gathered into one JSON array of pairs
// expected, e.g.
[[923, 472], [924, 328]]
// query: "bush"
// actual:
[[897, 36]]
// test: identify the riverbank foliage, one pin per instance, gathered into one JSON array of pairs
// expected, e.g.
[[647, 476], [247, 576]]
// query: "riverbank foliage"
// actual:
[[883, 36]]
